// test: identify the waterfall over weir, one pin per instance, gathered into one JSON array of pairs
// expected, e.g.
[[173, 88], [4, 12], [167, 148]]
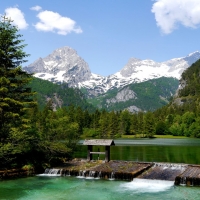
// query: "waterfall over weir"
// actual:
[[51, 172], [180, 174], [89, 174], [112, 176]]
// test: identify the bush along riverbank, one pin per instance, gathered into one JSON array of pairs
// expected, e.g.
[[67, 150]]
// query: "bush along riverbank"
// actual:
[[17, 173]]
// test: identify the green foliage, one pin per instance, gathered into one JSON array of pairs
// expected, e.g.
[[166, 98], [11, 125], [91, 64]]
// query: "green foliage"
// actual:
[[161, 128], [89, 133], [149, 125], [56, 136]]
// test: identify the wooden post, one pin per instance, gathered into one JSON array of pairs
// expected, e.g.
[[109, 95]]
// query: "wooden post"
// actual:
[[89, 155], [107, 153]]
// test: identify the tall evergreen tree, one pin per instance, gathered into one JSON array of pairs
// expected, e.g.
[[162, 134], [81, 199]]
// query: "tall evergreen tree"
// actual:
[[103, 124], [113, 126], [15, 96], [125, 122], [149, 124], [134, 125]]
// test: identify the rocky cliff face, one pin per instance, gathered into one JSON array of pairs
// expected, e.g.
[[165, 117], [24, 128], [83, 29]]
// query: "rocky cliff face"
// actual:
[[63, 65], [122, 96]]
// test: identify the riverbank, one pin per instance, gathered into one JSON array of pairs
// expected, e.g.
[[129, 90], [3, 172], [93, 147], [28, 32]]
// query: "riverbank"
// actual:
[[16, 173]]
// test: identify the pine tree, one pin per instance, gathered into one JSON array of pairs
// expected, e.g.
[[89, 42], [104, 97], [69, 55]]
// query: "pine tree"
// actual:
[[15, 96], [113, 126], [149, 124], [134, 127], [103, 124], [125, 122]]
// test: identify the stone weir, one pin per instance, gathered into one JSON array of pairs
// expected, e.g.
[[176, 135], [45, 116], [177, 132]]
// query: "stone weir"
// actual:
[[181, 174], [190, 176]]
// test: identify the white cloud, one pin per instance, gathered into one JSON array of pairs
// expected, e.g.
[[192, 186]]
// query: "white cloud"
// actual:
[[54, 22], [36, 8], [171, 13], [18, 17]]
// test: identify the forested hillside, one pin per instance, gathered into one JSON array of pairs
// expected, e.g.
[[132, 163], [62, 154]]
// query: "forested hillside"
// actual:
[[182, 115], [59, 95], [146, 96]]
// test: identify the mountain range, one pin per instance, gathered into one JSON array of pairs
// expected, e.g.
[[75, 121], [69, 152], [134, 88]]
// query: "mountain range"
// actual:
[[65, 65], [119, 90]]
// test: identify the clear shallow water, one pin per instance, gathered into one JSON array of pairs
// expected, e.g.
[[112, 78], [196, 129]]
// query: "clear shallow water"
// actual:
[[151, 150], [72, 188]]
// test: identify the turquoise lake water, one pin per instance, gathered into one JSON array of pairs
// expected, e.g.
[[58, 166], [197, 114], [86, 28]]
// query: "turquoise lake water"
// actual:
[[72, 188]]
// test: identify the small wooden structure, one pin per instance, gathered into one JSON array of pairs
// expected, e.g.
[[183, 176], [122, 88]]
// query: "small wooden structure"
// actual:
[[99, 142]]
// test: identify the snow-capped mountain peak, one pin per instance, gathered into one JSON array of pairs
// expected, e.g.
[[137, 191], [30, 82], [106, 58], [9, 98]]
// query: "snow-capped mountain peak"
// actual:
[[63, 65]]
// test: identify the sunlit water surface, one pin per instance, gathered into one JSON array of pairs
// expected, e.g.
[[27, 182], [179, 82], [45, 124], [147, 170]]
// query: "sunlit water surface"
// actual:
[[72, 188]]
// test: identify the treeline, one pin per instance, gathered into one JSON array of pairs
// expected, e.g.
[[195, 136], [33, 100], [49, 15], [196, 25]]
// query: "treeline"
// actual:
[[176, 121]]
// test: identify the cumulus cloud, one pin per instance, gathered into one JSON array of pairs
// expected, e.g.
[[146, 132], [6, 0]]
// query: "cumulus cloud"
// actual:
[[18, 16], [54, 22], [171, 13], [36, 8]]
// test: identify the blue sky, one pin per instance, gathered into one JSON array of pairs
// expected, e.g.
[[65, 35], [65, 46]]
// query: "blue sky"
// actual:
[[107, 33]]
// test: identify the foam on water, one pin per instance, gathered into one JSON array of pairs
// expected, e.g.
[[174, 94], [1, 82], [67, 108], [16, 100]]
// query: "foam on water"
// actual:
[[88, 177], [80, 176], [49, 175], [51, 172], [146, 185]]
